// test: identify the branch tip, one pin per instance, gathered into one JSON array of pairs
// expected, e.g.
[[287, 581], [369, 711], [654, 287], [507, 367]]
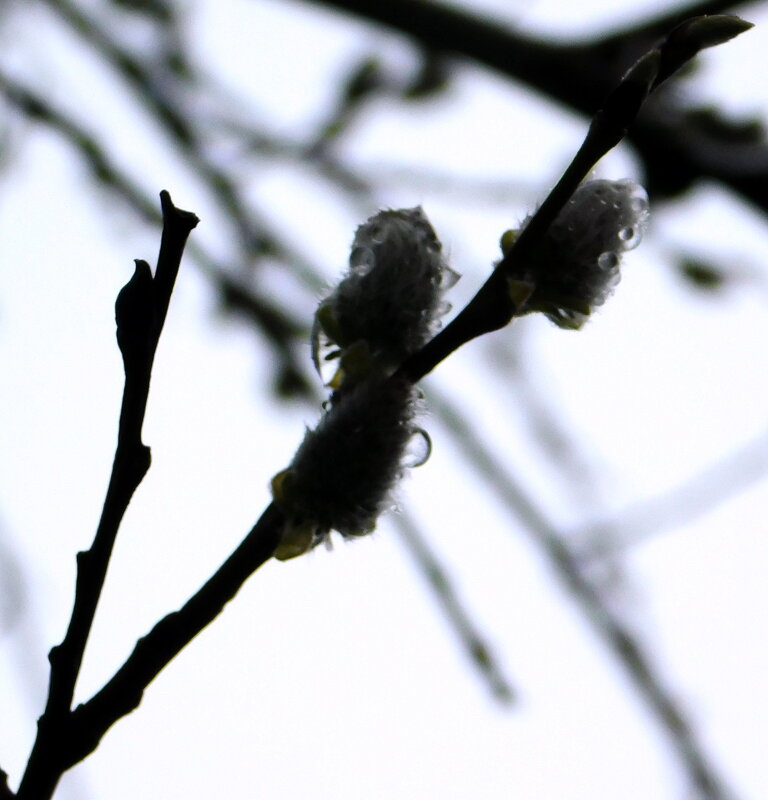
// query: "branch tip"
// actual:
[[709, 31], [692, 36], [177, 215]]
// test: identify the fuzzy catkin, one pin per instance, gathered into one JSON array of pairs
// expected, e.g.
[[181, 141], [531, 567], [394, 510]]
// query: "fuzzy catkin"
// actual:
[[344, 470], [386, 307], [576, 265], [391, 296]]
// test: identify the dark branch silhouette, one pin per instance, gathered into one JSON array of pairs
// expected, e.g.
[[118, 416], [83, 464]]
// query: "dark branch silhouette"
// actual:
[[140, 312]]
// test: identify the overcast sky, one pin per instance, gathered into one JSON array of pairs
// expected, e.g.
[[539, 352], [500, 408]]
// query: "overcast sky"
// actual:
[[335, 675]]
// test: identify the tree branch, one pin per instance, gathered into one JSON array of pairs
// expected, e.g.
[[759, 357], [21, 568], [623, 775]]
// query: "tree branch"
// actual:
[[676, 149], [123, 693], [619, 638], [140, 311], [494, 305], [277, 324], [475, 646]]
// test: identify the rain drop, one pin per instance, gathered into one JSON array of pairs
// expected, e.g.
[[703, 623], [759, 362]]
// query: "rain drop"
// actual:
[[608, 260], [377, 234], [630, 236], [419, 449]]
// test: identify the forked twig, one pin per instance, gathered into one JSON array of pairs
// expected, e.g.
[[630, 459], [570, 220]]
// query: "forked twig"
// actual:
[[140, 311]]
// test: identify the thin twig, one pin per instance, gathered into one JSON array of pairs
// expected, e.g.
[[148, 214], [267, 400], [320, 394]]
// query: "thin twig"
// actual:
[[123, 692], [617, 635], [162, 97], [694, 497], [278, 324], [474, 644], [140, 310]]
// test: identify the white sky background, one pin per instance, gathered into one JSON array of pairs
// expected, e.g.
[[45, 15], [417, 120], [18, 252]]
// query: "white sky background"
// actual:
[[334, 676]]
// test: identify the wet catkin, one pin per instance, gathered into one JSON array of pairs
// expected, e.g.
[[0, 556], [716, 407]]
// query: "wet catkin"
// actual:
[[386, 307], [391, 298], [575, 267]]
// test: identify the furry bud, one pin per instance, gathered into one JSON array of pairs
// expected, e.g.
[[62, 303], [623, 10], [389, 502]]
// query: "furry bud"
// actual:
[[576, 265], [343, 473], [391, 297]]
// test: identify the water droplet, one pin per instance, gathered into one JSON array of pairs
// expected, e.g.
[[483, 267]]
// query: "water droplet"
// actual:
[[630, 236], [608, 260], [419, 449]]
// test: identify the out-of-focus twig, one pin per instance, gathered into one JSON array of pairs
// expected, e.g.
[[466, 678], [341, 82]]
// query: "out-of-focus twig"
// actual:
[[281, 329], [542, 422], [698, 495], [675, 149], [617, 635], [472, 641], [161, 92]]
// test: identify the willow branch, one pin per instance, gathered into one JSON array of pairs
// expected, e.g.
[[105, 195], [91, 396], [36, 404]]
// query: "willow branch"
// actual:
[[123, 692], [494, 306], [140, 311]]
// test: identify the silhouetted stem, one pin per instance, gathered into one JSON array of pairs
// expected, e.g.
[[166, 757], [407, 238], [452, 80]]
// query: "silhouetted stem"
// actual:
[[123, 693], [494, 306], [140, 310]]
